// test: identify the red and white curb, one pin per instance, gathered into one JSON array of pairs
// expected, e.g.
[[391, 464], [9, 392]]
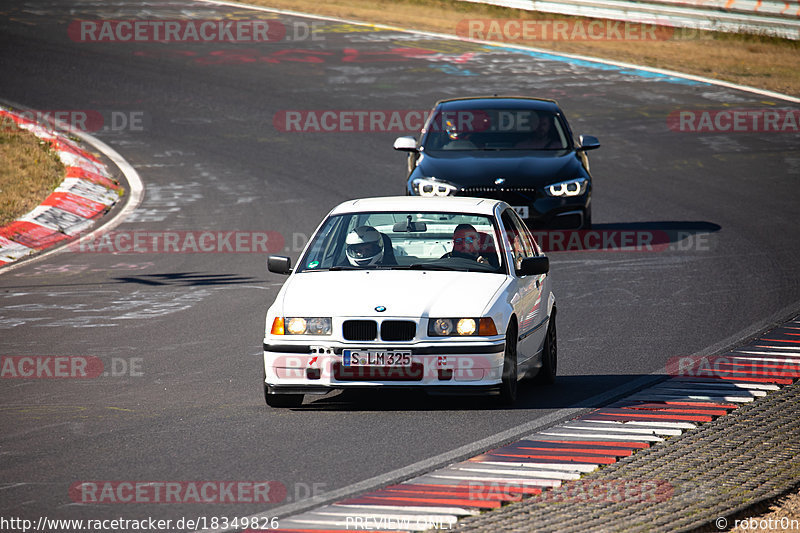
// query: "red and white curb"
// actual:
[[703, 390], [88, 191]]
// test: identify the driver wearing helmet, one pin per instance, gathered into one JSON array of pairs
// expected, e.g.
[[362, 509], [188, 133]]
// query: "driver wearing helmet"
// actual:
[[458, 140], [364, 246]]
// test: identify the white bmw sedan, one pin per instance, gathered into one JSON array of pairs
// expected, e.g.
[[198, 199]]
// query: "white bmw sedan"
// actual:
[[448, 294]]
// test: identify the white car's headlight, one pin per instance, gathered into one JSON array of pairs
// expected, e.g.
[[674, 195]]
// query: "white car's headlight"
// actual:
[[460, 327], [301, 326], [574, 187], [431, 187]]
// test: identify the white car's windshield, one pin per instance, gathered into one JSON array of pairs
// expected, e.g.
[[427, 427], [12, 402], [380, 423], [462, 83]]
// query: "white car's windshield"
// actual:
[[495, 129], [405, 240]]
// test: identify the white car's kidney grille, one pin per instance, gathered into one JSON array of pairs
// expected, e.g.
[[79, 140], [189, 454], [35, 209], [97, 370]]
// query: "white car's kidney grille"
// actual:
[[398, 330], [367, 330], [360, 330]]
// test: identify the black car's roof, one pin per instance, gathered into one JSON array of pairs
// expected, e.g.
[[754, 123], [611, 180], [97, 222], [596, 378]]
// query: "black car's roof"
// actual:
[[499, 102]]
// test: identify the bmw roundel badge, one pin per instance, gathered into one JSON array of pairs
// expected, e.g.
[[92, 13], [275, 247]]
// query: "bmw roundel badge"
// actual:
[[380, 309]]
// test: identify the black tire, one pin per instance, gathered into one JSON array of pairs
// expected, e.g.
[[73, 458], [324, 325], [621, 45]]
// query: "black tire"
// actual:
[[281, 400], [587, 219], [547, 374], [508, 387]]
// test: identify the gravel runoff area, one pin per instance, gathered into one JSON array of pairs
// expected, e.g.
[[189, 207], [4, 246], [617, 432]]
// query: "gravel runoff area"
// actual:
[[702, 480]]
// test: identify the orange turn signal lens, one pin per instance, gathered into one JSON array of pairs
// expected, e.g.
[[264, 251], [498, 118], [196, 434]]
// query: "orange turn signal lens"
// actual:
[[277, 326], [486, 327]]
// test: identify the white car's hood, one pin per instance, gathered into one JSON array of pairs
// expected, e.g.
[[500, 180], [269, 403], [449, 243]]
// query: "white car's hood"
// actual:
[[404, 293]]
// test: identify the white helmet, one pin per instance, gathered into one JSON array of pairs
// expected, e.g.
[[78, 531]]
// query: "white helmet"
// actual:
[[364, 246]]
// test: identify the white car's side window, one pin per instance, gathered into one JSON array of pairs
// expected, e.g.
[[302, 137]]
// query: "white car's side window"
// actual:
[[521, 246]]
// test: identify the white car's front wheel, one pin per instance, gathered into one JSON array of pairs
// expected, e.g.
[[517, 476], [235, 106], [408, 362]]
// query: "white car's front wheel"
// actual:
[[508, 387], [547, 374]]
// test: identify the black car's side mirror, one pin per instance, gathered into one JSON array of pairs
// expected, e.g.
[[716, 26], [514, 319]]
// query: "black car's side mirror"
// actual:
[[588, 142], [279, 264], [534, 266]]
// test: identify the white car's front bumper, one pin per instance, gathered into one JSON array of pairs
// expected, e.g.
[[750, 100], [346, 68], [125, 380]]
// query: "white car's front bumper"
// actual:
[[297, 365]]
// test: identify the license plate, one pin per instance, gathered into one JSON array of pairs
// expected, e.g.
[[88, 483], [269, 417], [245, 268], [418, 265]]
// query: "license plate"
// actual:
[[376, 358], [522, 210]]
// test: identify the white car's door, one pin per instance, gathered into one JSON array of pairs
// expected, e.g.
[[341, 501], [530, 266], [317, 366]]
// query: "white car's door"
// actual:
[[530, 306]]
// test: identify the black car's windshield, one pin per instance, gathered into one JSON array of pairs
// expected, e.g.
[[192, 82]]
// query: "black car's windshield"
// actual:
[[495, 129], [405, 241]]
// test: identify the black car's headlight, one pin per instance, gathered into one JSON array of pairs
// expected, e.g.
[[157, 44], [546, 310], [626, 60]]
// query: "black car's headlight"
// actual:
[[301, 326], [574, 187], [461, 327], [432, 187]]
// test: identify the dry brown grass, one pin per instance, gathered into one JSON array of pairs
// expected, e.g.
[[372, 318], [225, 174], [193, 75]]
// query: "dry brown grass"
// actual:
[[29, 171], [763, 62]]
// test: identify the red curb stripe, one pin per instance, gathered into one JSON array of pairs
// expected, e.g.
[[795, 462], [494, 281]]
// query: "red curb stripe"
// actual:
[[465, 492], [698, 403], [426, 502], [666, 412], [77, 205], [615, 444], [509, 458], [753, 379], [756, 368], [597, 459], [782, 340], [31, 235], [619, 452], [82, 173], [654, 416], [422, 495], [688, 411], [63, 146], [511, 486]]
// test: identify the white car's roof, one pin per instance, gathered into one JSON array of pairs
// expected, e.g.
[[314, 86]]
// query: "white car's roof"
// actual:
[[455, 204]]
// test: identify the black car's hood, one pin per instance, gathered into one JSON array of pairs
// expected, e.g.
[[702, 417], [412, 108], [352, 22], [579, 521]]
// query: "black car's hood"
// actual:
[[482, 167]]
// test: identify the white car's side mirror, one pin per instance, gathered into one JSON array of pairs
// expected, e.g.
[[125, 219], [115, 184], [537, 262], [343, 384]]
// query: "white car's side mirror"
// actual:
[[405, 144]]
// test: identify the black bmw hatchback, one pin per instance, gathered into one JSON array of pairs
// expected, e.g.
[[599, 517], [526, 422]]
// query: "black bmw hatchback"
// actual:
[[520, 150]]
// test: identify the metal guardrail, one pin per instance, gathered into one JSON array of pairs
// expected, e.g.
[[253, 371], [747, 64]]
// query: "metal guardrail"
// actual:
[[777, 18]]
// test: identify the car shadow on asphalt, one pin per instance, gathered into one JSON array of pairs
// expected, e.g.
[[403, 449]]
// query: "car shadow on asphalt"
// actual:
[[579, 391], [186, 279]]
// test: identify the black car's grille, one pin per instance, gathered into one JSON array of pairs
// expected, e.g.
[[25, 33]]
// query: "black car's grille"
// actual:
[[398, 330], [360, 330], [499, 189], [511, 195]]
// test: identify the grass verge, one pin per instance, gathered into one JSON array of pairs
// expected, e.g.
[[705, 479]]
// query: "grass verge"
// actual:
[[29, 171], [758, 61]]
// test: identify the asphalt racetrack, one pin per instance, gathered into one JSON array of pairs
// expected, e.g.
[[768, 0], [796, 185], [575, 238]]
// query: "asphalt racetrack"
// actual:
[[180, 333]]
